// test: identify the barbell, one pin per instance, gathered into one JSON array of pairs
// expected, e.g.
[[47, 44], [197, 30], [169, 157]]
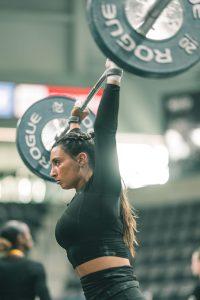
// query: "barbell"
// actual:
[[150, 38]]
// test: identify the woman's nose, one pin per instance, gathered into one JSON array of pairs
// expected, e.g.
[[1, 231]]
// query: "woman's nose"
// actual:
[[52, 172]]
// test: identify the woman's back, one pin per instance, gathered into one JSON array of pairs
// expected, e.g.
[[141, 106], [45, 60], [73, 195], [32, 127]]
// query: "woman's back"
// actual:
[[21, 279]]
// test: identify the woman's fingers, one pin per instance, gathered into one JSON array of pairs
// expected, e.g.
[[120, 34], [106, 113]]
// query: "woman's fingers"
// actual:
[[78, 113], [110, 64]]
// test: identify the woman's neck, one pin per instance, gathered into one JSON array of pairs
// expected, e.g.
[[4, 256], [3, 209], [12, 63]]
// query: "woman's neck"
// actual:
[[85, 178]]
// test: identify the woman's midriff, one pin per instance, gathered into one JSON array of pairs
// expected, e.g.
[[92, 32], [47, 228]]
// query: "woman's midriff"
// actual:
[[101, 263]]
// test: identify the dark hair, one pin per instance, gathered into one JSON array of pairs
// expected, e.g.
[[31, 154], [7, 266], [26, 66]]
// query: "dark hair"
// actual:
[[77, 141], [9, 235]]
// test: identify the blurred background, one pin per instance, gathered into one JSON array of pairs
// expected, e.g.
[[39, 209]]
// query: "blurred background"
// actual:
[[46, 48]]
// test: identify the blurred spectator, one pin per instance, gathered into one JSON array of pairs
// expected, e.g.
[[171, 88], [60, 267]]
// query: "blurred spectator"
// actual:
[[20, 277], [195, 267]]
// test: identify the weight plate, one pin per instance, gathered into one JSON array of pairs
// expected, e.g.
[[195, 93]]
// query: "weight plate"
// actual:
[[170, 47], [38, 127]]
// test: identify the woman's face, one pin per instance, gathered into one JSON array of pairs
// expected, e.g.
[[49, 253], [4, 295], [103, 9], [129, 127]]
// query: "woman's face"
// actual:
[[64, 168]]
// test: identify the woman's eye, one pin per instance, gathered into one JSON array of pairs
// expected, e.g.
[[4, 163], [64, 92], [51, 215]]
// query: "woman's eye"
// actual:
[[56, 162]]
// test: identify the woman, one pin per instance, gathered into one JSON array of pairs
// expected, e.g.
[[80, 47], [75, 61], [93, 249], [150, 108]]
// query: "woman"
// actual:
[[97, 229], [20, 277]]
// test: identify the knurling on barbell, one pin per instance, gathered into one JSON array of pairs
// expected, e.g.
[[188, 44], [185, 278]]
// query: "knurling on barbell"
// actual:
[[151, 16]]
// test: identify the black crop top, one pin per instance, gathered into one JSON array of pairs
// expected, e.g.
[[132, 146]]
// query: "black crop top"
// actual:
[[91, 225]]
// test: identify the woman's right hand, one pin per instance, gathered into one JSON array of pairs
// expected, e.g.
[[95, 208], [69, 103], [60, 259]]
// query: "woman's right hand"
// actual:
[[78, 114], [110, 64], [76, 111]]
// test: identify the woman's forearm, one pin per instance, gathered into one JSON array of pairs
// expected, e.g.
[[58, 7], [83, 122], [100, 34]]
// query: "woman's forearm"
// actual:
[[107, 115]]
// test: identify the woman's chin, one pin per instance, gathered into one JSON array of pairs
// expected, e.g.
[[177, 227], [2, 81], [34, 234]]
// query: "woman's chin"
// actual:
[[64, 186]]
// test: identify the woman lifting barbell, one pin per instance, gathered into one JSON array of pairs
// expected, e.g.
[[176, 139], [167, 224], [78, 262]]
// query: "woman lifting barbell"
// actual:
[[98, 227]]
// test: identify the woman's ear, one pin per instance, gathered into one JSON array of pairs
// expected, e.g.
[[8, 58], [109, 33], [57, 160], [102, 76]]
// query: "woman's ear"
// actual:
[[82, 159]]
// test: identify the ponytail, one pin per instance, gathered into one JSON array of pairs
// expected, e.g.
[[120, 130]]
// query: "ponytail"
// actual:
[[129, 223]]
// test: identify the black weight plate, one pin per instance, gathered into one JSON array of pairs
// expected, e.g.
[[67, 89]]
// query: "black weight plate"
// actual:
[[138, 54], [35, 126]]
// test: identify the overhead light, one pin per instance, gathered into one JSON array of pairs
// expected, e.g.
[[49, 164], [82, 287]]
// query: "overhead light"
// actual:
[[24, 190], [143, 159], [38, 190], [195, 136], [142, 164], [177, 146]]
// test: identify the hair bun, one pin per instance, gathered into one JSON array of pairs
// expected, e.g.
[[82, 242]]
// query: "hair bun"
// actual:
[[92, 134], [75, 135], [79, 136]]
